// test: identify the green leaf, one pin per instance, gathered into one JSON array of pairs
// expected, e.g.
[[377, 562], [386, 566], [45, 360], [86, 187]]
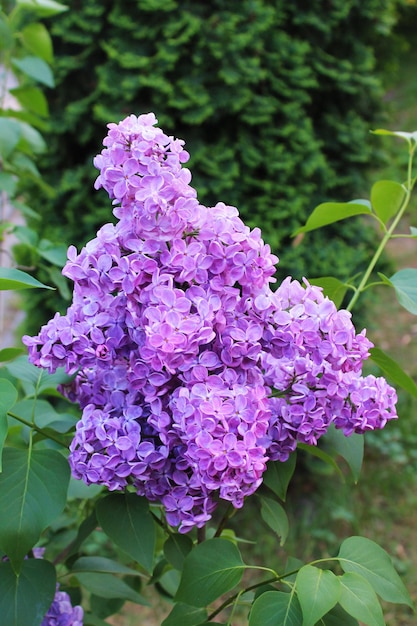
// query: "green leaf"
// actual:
[[52, 252], [386, 198], [394, 133], [101, 565], [185, 615], [350, 448], [278, 475], [318, 591], [393, 371], [11, 278], [78, 490], [24, 599], [33, 490], [109, 586], [368, 559], [126, 519], [10, 132], [37, 40], [31, 140], [331, 212], [8, 183], [35, 68], [176, 548], [338, 617], [275, 608], [94, 620], [211, 569], [359, 599], [6, 35], [23, 165], [32, 99], [332, 287], [274, 515], [87, 526], [405, 285], [322, 455], [36, 380], [44, 415], [8, 354], [8, 398], [104, 607], [43, 8]]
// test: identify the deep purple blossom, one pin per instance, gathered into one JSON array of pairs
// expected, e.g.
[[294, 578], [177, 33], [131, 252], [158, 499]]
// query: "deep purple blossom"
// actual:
[[190, 371]]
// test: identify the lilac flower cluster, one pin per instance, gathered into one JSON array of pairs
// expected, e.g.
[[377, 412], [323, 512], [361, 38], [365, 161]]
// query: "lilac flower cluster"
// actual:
[[191, 371]]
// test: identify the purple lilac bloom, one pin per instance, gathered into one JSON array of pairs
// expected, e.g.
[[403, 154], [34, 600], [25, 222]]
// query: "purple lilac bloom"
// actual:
[[190, 371], [62, 613]]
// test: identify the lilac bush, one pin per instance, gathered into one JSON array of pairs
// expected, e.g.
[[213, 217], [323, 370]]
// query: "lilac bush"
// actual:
[[191, 371]]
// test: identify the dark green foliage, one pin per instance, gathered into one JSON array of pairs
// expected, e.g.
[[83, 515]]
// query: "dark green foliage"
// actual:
[[275, 100]]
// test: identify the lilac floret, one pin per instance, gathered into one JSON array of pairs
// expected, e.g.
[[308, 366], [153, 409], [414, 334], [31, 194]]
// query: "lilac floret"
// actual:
[[62, 613], [190, 371]]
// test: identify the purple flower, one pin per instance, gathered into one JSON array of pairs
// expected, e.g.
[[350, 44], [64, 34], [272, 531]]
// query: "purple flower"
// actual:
[[190, 371], [62, 613]]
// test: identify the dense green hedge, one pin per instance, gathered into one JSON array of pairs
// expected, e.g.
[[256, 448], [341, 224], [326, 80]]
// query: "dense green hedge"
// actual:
[[275, 100]]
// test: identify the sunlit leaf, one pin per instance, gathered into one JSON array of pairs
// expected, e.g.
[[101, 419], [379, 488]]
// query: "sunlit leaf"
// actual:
[[33, 489], [274, 515], [35, 68], [318, 591], [331, 212], [394, 133], [276, 607], [11, 278], [387, 197], [24, 599], [393, 371], [211, 569], [368, 559], [332, 287], [405, 285], [31, 98], [37, 40], [126, 519], [43, 8]]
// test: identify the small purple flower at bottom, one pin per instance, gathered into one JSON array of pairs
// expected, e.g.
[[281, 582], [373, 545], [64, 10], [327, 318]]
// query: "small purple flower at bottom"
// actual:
[[62, 613]]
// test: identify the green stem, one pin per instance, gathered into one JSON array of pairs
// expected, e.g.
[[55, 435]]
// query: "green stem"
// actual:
[[389, 233], [39, 430], [226, 516], [234, 597]]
